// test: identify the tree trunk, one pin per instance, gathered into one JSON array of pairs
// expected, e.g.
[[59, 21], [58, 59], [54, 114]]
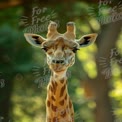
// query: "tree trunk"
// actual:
[[5, 95], [106, 41]]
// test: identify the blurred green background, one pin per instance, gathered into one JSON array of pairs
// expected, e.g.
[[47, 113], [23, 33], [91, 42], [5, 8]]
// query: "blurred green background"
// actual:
[[95, 81]]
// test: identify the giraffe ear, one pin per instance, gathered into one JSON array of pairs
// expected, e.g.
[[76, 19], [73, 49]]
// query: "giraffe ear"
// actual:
[[34, 39], [87, 40]]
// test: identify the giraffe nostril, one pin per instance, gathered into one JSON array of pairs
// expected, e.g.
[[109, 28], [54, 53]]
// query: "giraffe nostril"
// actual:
[[61, 61], [53, 61], [58, 61]]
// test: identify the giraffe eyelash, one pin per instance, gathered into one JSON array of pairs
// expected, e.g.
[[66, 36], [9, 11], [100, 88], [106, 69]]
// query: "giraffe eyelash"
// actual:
[[75, 49]]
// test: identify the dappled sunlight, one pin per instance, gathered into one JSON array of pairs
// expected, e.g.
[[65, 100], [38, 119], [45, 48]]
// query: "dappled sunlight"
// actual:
[[94, 23], [94, 81], [119, 45], [117, 92], [87, 58], [90, 69], [116, 71]]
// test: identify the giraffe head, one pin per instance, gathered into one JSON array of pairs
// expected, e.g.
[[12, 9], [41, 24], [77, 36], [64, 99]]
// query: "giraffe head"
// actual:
[[60, 48]]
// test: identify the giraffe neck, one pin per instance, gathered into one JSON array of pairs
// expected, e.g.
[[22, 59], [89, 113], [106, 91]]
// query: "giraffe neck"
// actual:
[[58, 104]]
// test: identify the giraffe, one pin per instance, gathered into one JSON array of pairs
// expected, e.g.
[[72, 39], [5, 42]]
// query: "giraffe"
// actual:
[[60, 51]]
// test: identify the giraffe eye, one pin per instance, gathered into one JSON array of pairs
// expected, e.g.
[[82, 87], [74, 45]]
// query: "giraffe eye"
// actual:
[[75, 49]]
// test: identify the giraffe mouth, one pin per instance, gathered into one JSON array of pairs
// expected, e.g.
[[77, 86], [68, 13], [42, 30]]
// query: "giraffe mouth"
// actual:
[[58, 67]]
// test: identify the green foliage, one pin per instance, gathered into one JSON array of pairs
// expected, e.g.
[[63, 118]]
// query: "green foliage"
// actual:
[[14, 51], [18, 58]]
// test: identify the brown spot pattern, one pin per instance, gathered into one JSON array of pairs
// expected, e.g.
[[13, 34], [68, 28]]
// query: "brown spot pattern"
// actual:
[[54, 85], [72, 114], [61, 102], [55, 119], [63, 114], [53, 98], [65, 97], [70, 104], [62, 90], [50, 87], [62, 80], [48, 103], [54, 108]]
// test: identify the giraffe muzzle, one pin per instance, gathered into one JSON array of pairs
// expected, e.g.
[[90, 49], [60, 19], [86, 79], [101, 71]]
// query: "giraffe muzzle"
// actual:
[[58, 61]]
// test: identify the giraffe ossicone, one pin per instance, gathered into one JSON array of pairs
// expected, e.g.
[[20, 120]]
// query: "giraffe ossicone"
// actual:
[[60, 50]]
